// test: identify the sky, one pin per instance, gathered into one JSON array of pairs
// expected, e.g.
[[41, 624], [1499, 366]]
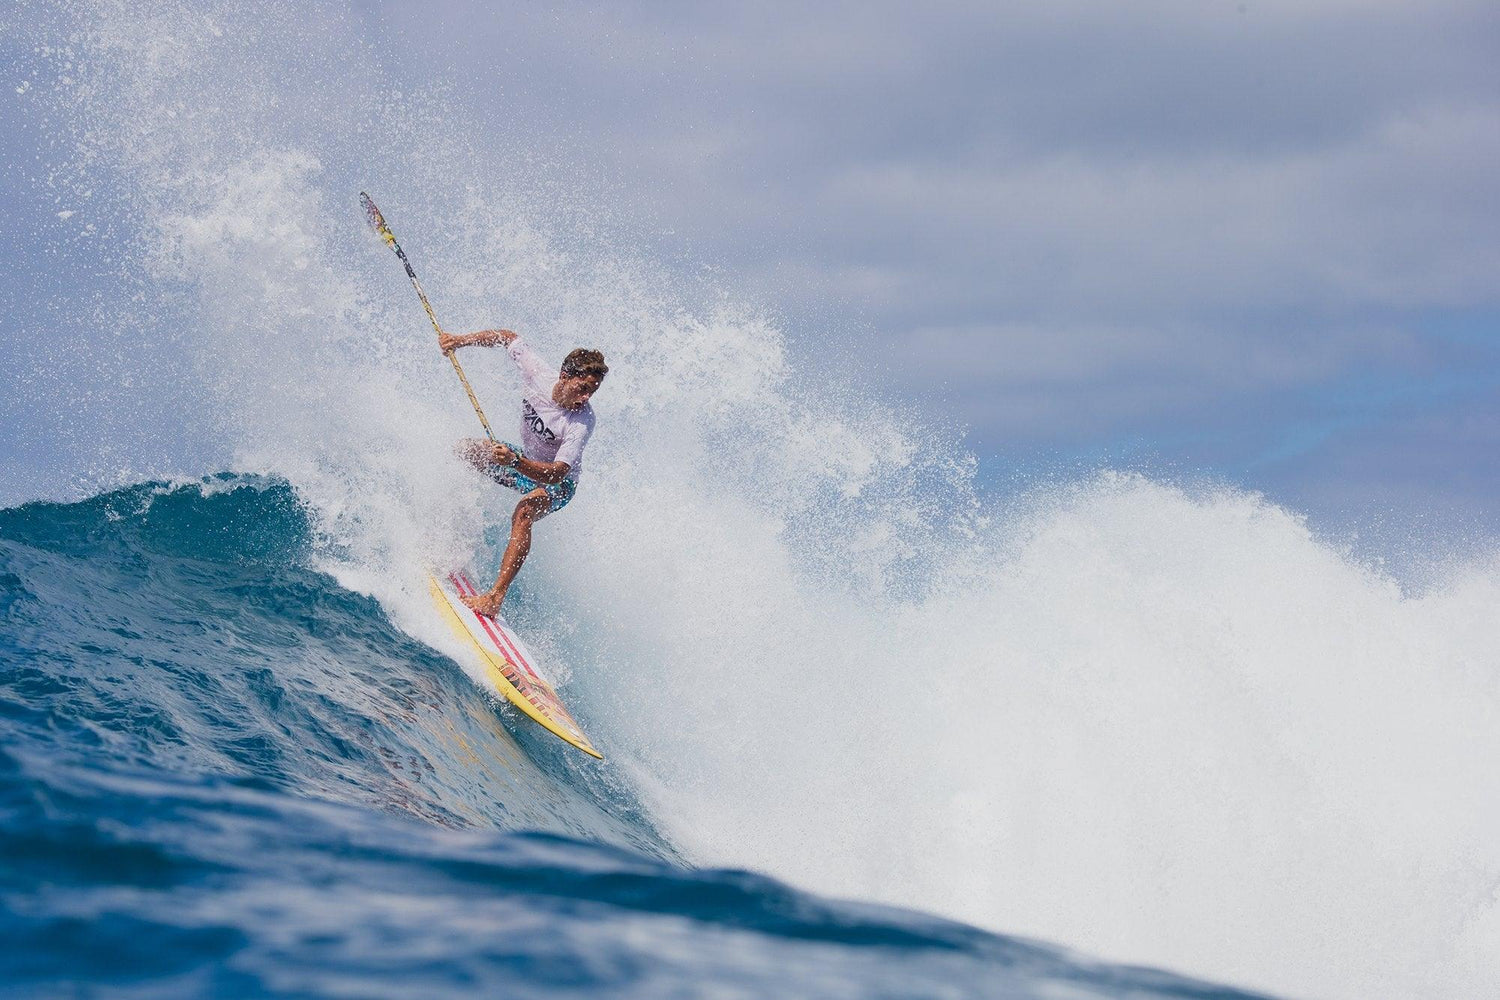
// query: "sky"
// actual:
[[1254, 241]]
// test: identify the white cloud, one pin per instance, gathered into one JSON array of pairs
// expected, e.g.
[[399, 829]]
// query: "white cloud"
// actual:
[[1002, 163]]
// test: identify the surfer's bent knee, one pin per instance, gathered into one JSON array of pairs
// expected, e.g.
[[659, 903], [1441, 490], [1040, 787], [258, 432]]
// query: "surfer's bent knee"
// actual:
[[534, 506]]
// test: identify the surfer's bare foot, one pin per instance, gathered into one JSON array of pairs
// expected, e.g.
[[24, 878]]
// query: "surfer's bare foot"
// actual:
[[485, 604]]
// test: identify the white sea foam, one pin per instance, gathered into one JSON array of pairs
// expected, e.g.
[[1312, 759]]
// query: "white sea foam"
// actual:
[[1159, 727], [1165, 725]]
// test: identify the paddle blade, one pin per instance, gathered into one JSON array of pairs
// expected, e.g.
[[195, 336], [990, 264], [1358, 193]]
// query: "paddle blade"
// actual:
[[377, 221]]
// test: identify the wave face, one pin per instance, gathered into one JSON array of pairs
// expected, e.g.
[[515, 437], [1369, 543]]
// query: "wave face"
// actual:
[[181, 629], [1163, 724], [223, 774]]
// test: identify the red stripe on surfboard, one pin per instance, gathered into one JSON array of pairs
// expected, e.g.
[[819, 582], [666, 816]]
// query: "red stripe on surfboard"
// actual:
[[499, 635], [503, 642], [544, 700], [485, 622], [491, 627], [514, 651]]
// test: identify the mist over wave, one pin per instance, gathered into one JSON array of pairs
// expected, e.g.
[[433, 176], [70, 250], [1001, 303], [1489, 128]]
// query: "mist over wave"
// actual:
[[1166, 724]]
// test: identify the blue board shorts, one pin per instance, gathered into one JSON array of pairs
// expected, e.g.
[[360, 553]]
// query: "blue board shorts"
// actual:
[[558, 493]]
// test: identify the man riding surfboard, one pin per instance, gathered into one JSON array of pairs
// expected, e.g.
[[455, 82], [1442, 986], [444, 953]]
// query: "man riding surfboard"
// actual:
[[556, 421]]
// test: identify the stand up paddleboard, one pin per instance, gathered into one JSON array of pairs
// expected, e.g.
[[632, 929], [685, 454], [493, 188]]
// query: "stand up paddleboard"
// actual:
[[506, 660]]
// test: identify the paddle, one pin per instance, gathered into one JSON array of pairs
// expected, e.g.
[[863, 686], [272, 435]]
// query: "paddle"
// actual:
[[377, 223]]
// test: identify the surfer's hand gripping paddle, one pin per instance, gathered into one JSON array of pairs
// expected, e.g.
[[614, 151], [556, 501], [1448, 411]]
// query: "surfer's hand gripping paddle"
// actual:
[[377, 223]]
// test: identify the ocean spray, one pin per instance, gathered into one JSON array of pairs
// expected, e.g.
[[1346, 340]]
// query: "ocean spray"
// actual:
[[1169, 725]]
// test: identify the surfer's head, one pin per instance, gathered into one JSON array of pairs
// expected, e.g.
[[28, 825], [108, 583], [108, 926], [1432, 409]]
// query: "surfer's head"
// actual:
[[582, 371]]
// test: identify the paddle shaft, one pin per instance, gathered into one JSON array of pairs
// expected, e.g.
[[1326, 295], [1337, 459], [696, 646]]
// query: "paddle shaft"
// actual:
[[377, 221]]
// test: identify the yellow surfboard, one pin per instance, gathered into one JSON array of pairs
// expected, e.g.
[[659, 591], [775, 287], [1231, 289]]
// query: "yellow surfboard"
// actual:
[[506, 660]]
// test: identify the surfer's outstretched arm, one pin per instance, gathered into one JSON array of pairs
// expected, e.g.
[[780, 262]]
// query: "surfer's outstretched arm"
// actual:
[[450, 342]]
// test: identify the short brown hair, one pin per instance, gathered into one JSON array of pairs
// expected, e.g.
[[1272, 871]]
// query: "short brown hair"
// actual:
[[584, 361]]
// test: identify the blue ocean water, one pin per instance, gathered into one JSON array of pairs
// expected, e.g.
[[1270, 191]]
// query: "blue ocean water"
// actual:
[[222, 774]]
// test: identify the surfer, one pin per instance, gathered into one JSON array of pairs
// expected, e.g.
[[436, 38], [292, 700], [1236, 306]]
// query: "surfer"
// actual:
[[556, 421]]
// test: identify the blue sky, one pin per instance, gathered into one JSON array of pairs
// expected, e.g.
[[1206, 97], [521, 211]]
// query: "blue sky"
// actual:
[[1252, 240]]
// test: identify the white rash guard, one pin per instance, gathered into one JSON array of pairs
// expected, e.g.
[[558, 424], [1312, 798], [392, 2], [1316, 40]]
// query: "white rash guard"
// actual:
[[549, 433]]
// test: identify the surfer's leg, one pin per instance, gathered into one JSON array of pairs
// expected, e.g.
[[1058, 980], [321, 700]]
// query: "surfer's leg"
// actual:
[[532, 508]]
